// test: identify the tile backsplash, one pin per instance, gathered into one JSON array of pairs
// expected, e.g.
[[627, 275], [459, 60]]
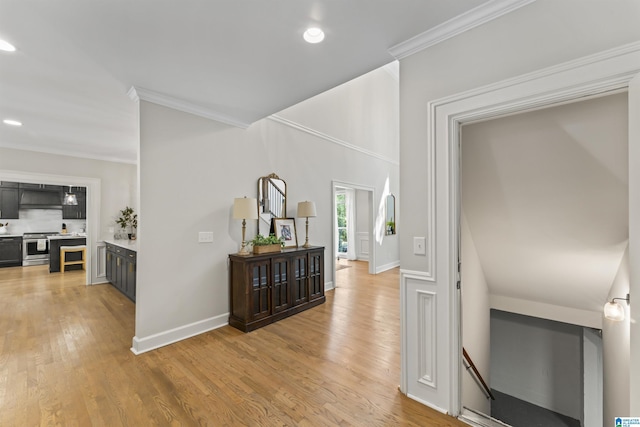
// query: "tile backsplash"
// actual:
[[44, 220]]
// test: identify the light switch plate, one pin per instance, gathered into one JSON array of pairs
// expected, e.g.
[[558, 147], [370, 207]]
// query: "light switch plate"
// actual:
[[419, 246], [205, 237]]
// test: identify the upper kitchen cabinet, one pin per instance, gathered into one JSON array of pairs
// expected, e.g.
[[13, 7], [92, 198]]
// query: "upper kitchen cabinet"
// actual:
[[28, 186], [9, 200], [78, 211]]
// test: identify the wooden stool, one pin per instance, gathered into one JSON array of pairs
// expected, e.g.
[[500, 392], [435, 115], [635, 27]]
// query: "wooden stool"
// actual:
[[64, 250]]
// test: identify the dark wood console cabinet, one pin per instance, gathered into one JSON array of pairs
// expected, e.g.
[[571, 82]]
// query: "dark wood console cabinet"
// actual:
[[268, 287]]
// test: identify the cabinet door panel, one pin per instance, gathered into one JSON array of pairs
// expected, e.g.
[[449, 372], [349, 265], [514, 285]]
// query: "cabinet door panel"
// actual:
[[9, 203], [280, 285], [316, 273], [259, 279], [300, 284], [109, 267], [131, 276]]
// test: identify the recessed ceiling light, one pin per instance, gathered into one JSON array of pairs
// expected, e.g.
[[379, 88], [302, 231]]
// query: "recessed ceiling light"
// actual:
[[12, 122], [313, 35], [6, 46]]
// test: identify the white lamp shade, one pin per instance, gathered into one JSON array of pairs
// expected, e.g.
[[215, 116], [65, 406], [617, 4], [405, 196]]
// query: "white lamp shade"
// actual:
[[306, 209], [245, 208], [614, 311], [70, 199]]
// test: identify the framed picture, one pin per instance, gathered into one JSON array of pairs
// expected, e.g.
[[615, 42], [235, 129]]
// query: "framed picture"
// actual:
[[285, 228]]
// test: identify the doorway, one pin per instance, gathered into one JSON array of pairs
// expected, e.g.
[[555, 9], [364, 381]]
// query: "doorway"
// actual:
[[352, 225], [95, 269], [539, 192]]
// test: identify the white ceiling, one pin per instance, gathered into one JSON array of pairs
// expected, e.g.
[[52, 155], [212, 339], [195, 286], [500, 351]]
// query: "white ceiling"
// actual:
[[545, 195], [236, 61]]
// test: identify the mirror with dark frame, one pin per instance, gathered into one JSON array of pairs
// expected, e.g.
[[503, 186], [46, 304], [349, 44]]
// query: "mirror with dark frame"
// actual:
[[272, 201], [390, 215]]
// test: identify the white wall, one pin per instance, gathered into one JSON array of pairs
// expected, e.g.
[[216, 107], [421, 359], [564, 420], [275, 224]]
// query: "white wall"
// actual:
[[538, 361], [615, 352], [191, 169], [476, 325], [540, 34]]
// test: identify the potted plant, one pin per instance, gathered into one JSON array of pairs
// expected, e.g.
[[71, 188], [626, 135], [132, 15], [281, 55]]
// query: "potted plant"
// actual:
[[128, 220], [264, 244], [391, 227]]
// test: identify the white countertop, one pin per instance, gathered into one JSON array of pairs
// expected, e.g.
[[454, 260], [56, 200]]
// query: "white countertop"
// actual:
[[132, 245], [10, 235], [68, 236]]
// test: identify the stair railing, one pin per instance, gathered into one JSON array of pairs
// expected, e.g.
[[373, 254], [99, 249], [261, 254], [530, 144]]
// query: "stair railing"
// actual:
[[472, 366]]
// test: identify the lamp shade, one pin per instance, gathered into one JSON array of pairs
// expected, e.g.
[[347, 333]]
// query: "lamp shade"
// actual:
[[245, 208], [70, 199], [306, 209], [614, 311]]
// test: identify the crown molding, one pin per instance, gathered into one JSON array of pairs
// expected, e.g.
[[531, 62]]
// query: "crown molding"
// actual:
[[473, 18], [138, 93], [310, 131]]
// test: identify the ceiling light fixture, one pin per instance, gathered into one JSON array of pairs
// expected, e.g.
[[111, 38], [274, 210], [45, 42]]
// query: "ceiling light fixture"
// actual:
[[614, 310], [313, 35], [12, 122], [6, 46], [70, 199]]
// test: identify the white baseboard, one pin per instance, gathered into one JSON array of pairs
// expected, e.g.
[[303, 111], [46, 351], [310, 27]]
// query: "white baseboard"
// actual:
[[142, 345], [425, 403], [329, 286], [388, 266]]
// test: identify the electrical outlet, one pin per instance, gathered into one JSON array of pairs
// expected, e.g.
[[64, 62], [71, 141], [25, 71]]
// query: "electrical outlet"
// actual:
[[205, 237], [419, 246]]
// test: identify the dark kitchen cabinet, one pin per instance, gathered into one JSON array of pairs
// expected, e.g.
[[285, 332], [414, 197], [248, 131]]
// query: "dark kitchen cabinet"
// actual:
[[10, 251], [78, 211], [268, 287], [9, 202], [121, 270], [48, 187]]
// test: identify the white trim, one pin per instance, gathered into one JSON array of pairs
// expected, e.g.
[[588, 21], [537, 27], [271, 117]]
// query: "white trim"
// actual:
[[139, 93], [65, 152], [101, 260], [362, 247], [427, 337], [329, 286], [589, 76], [425, 403], [372, 213], [161, 339], [348, 145], [618, 79], [388, 266], [427, 333], [464, 22]]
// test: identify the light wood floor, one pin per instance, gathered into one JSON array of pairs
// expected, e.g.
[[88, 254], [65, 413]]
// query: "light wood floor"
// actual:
[[65, 361]]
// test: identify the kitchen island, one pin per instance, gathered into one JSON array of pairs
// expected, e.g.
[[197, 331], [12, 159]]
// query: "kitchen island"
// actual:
[[64, 240], [121, 266]]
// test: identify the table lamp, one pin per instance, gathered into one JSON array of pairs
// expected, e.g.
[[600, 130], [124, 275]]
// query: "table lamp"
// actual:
[[245, 208], [306, 210]]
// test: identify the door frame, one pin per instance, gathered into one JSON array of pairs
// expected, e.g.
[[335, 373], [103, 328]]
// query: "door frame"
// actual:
[[93, 208], [591, 76], [372, 247]]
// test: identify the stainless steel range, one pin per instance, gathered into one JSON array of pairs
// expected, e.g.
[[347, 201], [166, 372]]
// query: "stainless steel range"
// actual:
[[35, 248]]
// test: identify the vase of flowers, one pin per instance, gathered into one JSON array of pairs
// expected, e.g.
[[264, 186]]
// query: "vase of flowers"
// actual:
[[128, 221]]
